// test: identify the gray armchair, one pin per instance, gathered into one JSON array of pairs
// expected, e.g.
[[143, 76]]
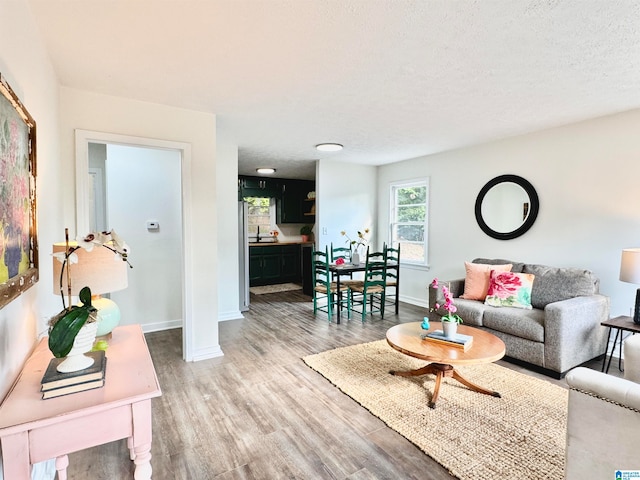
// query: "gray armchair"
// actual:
[[603, 422]]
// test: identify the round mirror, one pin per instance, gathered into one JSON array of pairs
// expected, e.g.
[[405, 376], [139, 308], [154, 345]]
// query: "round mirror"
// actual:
[[506, 207]]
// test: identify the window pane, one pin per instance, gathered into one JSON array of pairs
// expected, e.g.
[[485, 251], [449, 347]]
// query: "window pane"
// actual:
[[412, 252], [412, 233], [411, 195], [413, 213], [258, 215]]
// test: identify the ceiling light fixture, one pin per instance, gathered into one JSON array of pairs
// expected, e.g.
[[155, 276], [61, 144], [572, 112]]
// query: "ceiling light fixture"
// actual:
[[266, 170], [329, 147]]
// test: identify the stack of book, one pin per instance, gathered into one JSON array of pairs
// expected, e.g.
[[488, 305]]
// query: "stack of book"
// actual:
[[459, 340], [56, 384]]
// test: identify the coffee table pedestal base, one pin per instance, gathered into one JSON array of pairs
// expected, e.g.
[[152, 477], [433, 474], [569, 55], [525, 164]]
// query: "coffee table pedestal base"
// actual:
[[441, 370]]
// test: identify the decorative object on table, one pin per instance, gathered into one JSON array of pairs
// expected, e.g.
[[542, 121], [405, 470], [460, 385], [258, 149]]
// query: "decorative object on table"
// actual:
[[18, 226], [355, 245], [56, 384], [450, 320], [339, 261], [306, 231], [458, 340], [630, 273], [425, 323], [72, 333], [509, 289], [99, 261], [274, 234]]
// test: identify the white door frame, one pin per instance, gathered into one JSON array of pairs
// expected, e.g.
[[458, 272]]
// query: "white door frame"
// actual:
[[83, 138]]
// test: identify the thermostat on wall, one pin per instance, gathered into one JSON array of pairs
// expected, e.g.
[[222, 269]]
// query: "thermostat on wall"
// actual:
[[153, 226]]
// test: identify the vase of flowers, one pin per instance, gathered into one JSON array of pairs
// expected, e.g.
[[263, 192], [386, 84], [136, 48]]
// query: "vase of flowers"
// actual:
[[73, 330], [450, 319], [354, 245]]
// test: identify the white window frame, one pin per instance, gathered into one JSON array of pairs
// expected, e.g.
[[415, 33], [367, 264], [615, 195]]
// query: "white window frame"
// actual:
[[393, 186]]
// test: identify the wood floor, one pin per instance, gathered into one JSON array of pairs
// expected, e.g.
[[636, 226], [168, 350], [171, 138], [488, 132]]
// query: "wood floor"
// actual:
[[260, 413]]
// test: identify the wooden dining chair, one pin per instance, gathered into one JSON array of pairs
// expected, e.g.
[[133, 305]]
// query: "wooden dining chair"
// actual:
[[393, 275], [325, 292], [370, 293], [340, 252]]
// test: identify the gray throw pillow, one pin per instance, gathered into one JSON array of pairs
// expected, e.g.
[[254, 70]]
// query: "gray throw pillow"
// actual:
[[553, 284]]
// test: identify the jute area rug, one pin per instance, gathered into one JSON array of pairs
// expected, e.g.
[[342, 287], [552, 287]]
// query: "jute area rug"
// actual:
[[282, 287], [474, 436]]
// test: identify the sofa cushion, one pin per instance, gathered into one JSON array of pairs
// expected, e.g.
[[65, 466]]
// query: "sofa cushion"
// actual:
[[515, 266], [528, 324], [556, 284], [471, 311], [476, 280], [508, 289]]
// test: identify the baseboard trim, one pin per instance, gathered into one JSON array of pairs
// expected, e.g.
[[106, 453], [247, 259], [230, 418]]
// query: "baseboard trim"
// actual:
[[230, 315], [207, 353], [414, 301], [159, 326]]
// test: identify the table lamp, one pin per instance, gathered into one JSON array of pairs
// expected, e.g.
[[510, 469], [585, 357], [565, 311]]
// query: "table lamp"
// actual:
[[630, 273], [102, 270]]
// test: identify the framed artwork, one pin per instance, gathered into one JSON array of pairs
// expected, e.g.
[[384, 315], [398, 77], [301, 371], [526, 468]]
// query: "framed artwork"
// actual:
[[18, 232]]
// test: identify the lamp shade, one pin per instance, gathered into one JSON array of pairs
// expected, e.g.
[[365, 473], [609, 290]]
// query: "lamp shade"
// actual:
[[101, 269], [630, 265]]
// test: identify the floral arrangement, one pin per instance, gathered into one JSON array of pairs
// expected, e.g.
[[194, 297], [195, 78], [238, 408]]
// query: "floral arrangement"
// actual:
[[361, 240], [448, 305], [64, 326]]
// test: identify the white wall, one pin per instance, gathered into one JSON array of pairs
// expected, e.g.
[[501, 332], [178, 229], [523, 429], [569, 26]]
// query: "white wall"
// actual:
[[101, 113], [27, 68], [228, 245], [346, 200], [143, 184], [586, 176]]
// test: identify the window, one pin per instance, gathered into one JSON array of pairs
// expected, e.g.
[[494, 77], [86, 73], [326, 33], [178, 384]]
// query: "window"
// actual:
[[258, 215], [408, 220]]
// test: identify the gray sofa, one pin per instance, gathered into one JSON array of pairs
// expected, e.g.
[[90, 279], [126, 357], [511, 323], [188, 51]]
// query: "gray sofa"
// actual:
[[561, 331]]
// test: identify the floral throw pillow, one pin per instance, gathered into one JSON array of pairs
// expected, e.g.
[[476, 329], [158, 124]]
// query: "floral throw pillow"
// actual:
[[508, 289]]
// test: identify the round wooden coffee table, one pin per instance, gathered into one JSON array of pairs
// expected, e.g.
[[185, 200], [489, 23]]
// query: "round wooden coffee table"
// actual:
[[485, 348]]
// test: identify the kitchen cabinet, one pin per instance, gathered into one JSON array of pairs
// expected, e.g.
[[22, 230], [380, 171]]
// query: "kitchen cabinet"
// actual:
[[294, 206], [272, 264], [260, 187]]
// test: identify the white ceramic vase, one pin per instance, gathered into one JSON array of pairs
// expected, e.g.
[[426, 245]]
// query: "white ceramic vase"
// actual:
[[83, 343], [355, 258], [450, 329]]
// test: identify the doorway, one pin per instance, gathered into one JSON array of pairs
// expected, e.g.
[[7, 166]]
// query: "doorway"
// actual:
[[136, 187]]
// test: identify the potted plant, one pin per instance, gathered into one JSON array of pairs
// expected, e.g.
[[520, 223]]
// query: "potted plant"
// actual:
[[306, 231], [73, 330], [450, 319]]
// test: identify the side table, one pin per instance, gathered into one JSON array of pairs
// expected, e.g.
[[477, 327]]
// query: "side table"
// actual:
[[33, 430], [621, 324]]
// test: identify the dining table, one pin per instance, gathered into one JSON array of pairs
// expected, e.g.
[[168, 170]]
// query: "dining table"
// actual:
[[347, 269]]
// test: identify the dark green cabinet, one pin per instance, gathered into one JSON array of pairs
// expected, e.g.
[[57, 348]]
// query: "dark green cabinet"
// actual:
[[294, 206], [260, 187], [272, 264]]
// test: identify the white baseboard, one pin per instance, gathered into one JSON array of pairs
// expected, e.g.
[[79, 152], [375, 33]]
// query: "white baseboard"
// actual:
[[419, 302], [207, 353], [231, 315], [158, 326]]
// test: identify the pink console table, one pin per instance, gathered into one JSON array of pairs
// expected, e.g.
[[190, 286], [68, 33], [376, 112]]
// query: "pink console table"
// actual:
[[33, 430]]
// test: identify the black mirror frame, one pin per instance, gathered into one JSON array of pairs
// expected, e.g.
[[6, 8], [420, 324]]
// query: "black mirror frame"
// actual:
[[534, 207]]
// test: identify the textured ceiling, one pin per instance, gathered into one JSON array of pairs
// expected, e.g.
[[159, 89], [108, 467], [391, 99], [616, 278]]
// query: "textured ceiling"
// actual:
[[389, 79]]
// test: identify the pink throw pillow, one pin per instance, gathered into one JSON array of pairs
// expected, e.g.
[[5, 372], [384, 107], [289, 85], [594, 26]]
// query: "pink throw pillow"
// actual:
[[476, 281]]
